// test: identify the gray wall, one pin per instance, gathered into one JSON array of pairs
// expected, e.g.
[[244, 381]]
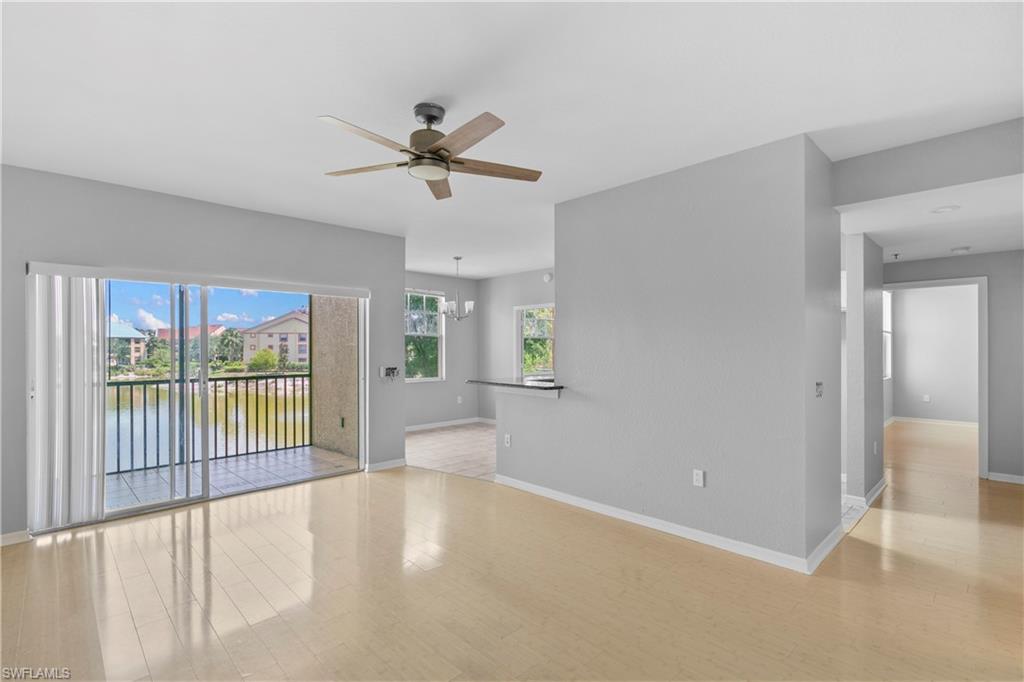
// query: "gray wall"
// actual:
[[887, 399], [57, 218], [696, 309], [429, 402], [865, 409], [935, 346], [1005, 272], [978, 154], [495, 322]]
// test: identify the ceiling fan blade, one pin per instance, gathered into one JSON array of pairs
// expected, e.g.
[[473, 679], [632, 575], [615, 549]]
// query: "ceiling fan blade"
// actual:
[[494, 170], [467, 135], [368, 169], [366, 134], [440, 188]]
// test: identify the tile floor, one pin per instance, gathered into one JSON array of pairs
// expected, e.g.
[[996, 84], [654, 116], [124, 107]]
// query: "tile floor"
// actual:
[[466, 450], [227, 475]]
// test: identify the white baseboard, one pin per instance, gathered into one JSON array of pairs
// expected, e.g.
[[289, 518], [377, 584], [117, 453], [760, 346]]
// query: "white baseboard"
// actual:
[[388, 464], [487, 420], [1006, 478], [922, 420], [868, 499], [451, 422], [771, 556], [14, 538], [824, 548], [888, 421]]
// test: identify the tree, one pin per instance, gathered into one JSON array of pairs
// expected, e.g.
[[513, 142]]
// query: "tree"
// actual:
[[158, 353], [264, 361], [282, 356], [120, 351], [230, 345]]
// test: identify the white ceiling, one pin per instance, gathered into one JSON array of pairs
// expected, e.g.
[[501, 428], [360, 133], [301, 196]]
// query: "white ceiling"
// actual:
[[990, 218], [218, 102]]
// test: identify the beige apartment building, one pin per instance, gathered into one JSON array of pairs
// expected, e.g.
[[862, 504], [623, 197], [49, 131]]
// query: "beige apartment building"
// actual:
[[290, 330]]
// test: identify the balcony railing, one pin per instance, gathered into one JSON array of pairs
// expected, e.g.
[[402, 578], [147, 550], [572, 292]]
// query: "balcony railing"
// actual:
[[247, 415]]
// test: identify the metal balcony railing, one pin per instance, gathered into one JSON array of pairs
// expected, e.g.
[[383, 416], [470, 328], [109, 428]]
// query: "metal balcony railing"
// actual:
[[247, 415]]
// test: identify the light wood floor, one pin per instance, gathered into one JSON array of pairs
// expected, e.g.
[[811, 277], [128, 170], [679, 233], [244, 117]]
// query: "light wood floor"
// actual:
[[414, 574], [466, 450]]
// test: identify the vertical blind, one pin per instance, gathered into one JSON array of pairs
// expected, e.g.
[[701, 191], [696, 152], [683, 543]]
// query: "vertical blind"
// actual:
[[66, 380]]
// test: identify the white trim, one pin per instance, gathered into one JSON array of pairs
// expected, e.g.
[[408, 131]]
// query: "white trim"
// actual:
[[888, 421], [824, 548], [438, 425], [14, 538], [771, 556], [425, 380], [163, 276], [388, 464], [868, 499], [1005, 478], [487, 420], [982, 284], [922, 420]]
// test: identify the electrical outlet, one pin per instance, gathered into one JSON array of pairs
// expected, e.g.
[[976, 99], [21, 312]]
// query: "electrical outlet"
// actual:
[[926, 398], [459, 400], [508, 440], [698, 478]]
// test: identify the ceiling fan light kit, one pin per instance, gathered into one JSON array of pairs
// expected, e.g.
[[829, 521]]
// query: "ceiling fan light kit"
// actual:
[[432, 156]]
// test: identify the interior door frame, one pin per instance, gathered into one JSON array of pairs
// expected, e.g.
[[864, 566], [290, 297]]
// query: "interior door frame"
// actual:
[[983, 392]]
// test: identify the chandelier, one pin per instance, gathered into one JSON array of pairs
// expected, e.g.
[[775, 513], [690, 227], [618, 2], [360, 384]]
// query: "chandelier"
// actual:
[[457, 310]]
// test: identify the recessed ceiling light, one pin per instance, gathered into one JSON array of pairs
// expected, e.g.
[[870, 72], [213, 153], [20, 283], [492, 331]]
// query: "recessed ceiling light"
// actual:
[[946, 209], [961, 250]]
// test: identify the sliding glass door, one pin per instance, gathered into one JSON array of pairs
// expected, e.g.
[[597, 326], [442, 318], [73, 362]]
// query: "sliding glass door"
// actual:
[[156, 389], [145, 394]]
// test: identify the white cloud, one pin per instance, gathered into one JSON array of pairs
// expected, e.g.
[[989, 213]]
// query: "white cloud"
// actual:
[[268, 318], [249, 292], [233, 317], [148, 320], [158, 300], [115, 319], [136, 301]]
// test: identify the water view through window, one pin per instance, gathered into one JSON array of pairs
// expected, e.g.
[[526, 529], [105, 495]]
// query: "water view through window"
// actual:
[[259, 391]]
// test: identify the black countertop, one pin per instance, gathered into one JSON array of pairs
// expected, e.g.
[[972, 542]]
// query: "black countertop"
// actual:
[[533, 384]]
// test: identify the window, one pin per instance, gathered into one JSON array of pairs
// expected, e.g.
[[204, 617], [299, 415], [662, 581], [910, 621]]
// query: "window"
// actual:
[[424, 337], [887, 335], [302, 338], [270, 335], [252, 336], [535, 347], [302, 348], [283, 338], [252, 346]]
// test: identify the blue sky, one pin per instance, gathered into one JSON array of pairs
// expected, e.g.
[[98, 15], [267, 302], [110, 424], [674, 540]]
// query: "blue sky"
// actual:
[[145, 306]]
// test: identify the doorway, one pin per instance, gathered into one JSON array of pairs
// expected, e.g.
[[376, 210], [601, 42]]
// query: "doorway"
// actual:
[[937, 359]]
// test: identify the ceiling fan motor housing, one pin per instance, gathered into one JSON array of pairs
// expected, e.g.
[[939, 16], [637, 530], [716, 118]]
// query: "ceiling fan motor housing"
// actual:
[[429, 114], [421, 139]]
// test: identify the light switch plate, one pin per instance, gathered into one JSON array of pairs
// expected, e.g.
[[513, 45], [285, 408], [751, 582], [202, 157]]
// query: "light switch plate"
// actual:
[[508, 440], [698, 478], [926, 398]]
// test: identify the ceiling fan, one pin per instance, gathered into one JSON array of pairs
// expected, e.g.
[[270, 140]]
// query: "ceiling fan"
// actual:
[[432, 155]]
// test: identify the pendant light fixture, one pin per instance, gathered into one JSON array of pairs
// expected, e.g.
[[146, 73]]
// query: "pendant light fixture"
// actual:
[[457, 310]]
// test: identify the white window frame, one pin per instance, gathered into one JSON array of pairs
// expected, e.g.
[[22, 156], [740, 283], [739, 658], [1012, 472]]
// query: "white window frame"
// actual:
[[517, 337], [442, 336]]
